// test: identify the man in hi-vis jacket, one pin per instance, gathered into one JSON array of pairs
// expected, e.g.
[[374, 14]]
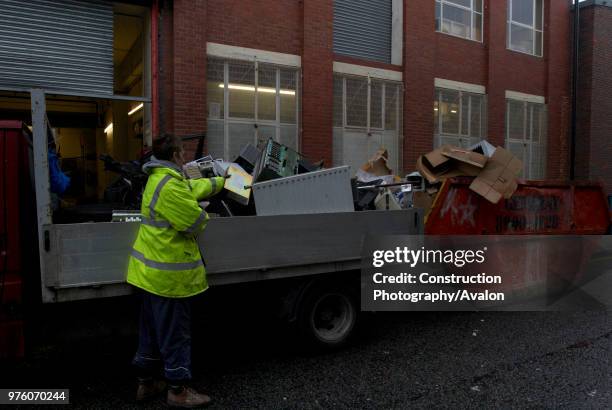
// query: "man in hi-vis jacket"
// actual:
[[165, 263]]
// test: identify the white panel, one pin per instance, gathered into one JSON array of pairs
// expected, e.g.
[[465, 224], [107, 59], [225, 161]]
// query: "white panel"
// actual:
[[239, 135], [265, 132], [391, 143], [457, 85], [338, 146], [358, 148], [288, 136], [251, 54], [397, 32], [353, 69], [214, 138], [514, 95]]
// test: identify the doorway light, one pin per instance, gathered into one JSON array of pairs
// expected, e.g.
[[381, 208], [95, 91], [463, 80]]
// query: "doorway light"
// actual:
[[260, 89], [136, 109]]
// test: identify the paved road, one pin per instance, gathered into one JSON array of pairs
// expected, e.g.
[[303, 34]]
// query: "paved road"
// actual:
[[397, 360]]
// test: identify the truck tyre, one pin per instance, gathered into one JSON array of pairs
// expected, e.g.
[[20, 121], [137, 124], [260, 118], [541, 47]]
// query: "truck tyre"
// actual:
[[327, 316]]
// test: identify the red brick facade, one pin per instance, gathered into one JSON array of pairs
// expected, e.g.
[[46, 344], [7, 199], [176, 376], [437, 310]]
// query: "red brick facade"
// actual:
[[594, 142], [305, 28]]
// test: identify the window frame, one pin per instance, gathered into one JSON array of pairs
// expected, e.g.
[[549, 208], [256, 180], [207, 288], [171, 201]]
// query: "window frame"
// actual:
[[368, 129], [532, 27], [472, 12], [277, 123], [459, 135], [528, 131]]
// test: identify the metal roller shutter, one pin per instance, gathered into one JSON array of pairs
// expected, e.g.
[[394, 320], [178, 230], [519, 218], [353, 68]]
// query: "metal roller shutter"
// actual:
[[57, 45], [362, 29]]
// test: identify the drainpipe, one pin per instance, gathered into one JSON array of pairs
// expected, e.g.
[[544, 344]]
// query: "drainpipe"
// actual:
[[575, 68], [154, 69]]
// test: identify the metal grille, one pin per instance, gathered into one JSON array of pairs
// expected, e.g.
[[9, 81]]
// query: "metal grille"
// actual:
[[248, 116], [60, 46], [459, 118], [376, 104], [266, 95], [362, 29], [356, 102], [288, 95], [526, 136], [215, 84], [391, 104], [338, 86], [241, 89]]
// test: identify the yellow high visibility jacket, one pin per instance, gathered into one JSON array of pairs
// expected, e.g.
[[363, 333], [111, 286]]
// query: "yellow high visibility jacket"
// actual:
[[165, 258]]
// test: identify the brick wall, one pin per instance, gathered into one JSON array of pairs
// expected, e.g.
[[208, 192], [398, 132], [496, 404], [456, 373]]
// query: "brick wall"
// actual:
[[585, 81], [305, 28], [274, 25], [317, 74], [557, 56], [183, 69], [489, 63], [419, 74], [166, 70]]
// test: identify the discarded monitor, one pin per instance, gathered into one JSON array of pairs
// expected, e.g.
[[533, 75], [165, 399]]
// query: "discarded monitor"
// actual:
[[248, 157], [238, 185], [276, 161]]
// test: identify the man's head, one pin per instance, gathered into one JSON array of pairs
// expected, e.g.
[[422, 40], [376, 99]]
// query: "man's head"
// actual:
[[169, 148]]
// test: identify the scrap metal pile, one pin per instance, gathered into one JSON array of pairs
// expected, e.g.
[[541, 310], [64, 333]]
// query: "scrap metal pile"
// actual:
[[273, 179]]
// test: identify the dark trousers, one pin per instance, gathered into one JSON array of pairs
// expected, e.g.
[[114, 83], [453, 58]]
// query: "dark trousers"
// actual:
[[165, 337]]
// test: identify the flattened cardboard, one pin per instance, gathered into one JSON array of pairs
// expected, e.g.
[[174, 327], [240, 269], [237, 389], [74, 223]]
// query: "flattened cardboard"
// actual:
[[465, 156], [423, 200], [498, 178], [435, 157], [483, 147], [447, 162], [377, 165]]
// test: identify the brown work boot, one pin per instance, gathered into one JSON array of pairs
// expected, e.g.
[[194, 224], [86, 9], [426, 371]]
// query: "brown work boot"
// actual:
[[187, 397], [148, 389]]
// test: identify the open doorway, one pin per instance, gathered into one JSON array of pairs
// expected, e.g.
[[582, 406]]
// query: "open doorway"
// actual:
[[86, 125]]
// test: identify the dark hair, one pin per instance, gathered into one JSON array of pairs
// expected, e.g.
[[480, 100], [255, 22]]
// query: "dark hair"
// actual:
[[165, 147]]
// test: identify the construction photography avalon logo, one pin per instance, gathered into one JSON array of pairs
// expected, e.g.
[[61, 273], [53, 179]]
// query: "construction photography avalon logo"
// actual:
[[326, 204]]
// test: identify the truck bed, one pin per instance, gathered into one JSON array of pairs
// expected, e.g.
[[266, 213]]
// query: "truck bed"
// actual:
[[89, 260]]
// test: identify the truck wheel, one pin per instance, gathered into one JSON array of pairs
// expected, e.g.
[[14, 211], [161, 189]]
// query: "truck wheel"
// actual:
[[327, 317]]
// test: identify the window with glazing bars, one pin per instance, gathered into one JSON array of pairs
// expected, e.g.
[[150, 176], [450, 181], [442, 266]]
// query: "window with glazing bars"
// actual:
[[249, 102], [525, 26], [367, 116], [462, 18], [526, 136], [459, 118]]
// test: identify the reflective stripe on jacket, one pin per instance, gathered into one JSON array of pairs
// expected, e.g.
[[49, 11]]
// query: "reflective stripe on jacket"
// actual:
[[165, 259]]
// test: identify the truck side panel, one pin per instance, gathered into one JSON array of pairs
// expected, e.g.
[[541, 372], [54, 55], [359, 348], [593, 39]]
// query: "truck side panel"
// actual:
[[89, 260]]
